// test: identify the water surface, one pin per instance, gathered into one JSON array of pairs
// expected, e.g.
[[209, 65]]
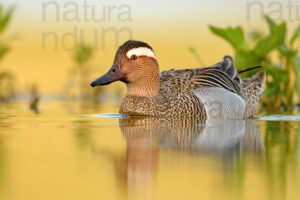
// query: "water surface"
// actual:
[[68, 151]]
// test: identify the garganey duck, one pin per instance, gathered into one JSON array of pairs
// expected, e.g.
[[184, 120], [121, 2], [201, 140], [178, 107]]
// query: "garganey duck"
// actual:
[[215, 92]]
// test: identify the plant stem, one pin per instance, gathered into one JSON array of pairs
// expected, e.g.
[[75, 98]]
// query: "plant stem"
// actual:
[[291, 82]]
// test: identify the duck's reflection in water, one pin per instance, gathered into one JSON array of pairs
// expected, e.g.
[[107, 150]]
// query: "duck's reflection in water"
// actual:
[[217, 137], [146, 137]]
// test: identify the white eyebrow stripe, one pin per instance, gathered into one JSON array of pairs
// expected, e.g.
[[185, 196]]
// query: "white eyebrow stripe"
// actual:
[[141, 51]]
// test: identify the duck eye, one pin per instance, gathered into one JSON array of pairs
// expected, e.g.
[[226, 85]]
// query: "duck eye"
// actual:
[[133, 57]]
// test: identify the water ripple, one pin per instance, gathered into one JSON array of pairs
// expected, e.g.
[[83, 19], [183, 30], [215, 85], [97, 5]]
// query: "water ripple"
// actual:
[[280, 118], [266, 118], [111, 115]]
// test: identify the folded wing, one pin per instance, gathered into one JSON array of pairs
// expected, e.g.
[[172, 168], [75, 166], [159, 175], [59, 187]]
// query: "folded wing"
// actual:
[[222, 75]]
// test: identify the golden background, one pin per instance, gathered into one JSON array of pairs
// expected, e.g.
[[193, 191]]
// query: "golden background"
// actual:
[[170, 27]]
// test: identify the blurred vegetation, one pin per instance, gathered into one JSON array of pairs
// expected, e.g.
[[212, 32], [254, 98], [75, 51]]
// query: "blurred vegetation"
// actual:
[[34, 98], [77, 86], [80, 76], [82, 56], [80, 71], [276, 53], [193, 51], [7, 80]]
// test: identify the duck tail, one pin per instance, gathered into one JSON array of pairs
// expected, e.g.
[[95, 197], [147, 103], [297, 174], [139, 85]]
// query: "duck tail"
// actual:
[[259, 77], [227, 66], [251, 90]]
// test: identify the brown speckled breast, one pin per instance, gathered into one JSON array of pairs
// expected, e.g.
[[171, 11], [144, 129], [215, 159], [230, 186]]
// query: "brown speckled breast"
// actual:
[[185, 105]]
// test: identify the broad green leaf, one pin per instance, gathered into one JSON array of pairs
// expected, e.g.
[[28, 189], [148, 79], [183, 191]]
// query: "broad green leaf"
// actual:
[[277, 29], [286, 52], [272, 25], [235, 36], [295, 35], [273, 40], [267, 44], [245, 59], [280, 32], [255, 35]]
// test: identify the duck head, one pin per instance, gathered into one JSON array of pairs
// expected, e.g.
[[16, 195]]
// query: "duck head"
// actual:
[[135, 64]]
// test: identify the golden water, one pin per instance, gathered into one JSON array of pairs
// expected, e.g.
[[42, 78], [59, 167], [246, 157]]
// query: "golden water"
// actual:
[[64, 152]]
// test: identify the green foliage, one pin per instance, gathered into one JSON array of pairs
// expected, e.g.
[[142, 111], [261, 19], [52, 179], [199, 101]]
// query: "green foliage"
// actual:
[[235, 36], [82, 54], [193, 51], [255, 35], [286, 52], [81, 57], [5, 18], [280, 90], [274, 86], [297, 73], [295, 35], [266, 45], [245, 59], [7, 80]]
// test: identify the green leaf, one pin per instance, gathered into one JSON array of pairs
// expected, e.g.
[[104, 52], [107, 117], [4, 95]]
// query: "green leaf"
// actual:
[[192, 50], [286, 52], [269, 43], [280, 32], [273, 40], [273, 88], [5, 19], [235, 36], [264, 46], [272, 25], [245, 59], [278, 29], [82, 54], [295, 35], [255, 35]]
